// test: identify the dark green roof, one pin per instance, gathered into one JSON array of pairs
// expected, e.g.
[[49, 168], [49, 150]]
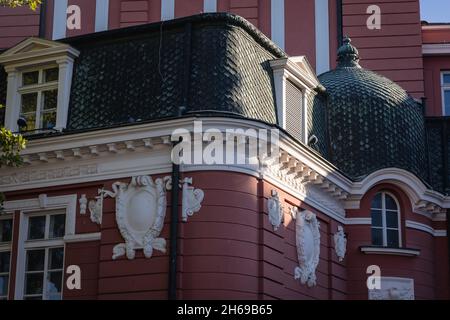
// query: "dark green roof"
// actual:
[[373, 123], [209, 62]]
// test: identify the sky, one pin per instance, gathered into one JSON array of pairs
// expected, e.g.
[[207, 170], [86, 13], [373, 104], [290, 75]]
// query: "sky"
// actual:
[[435, 10]]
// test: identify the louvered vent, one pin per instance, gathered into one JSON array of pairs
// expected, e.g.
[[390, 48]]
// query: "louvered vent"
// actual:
[[294, 113]]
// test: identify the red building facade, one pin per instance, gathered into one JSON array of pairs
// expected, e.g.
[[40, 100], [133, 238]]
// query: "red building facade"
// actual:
[[296, 228]]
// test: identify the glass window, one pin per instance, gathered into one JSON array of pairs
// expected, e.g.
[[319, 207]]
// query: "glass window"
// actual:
[[44, 266], [39, 97], [51, 75], [447, 102], [36, 228], [6, 226], [44, 274], [446, 78], [5, 258], [385, 220], [29, 78]]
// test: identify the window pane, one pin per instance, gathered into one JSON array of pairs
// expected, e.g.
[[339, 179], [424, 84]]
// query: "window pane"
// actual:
[[392, 219], [390, 203], [392, 238], [377, 237], [376, 202], [4, 285], [30, 78], [447, 102], [36, 228], [48, 120], [447, 78], [56, 258], [5, 230], [31, 121], [57, 225], [54, 283], [50, 98], [29, 102], [34, 283], [376, 218], [4, 261], [35, 260], [51, 75]]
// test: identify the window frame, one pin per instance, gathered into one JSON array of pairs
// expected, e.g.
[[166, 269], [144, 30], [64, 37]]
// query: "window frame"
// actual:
[[444, 87], [384, 226], [43, 244], [38, 88], [7, 247], [67, 202]]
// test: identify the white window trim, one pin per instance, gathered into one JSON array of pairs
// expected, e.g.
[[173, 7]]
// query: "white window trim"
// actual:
[[7, 246], [383, 217], [444, 87], [43, 53], [35, 206]]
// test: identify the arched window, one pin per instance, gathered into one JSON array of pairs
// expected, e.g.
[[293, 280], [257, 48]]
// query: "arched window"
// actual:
[[385, 220]]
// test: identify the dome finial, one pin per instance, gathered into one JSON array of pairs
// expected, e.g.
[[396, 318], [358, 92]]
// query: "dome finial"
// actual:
[[348, 55]]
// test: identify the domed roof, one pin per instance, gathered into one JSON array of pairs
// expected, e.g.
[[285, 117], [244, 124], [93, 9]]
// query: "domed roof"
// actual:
[[373, 122]]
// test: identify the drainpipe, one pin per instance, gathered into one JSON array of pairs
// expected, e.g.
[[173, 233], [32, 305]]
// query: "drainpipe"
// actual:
[[340, 35], [172, 291], [174, 231], [42, 19]]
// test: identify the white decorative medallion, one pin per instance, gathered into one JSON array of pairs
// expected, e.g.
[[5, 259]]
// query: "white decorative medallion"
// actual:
[[140, 212], [340, 243], [275, 210], [192, 199], [393, 288], [308, 246]]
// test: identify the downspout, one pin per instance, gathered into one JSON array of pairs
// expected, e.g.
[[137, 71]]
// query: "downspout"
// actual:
[[172, 291], [42, 19], [174, 231], [340, 34]]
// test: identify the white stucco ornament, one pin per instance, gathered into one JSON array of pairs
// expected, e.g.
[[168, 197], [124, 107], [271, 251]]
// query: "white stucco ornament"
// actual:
[[83, 204], [308, 246], [96, 207], [192, 199], [275, 210], [393, 288], [140, 212], [340, 243]]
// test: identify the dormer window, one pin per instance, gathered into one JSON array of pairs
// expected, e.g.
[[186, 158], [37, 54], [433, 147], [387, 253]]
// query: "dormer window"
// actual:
[[294, 81], [39, 97], [39, 81]]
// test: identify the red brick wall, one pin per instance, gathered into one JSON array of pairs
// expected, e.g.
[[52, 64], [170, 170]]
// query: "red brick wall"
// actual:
[[228, 250], [17, 24], [395, 50]]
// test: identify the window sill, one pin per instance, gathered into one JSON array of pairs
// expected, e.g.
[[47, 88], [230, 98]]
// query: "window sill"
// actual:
[[390, 251]]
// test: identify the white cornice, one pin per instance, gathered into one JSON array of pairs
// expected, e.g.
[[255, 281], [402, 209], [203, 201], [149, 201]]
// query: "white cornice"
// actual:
[[425, 228], [390, 251], [145, 148], [436, 49]]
